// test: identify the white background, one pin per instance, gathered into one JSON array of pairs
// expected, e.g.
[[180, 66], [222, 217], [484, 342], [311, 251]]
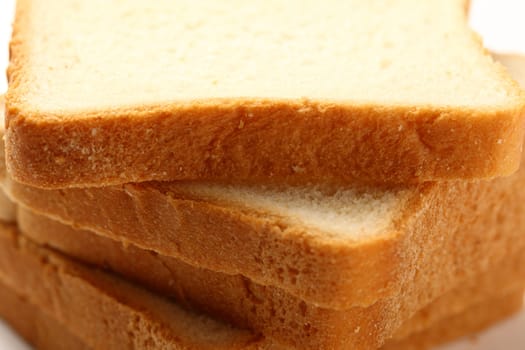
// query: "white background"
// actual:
[[502, 26]]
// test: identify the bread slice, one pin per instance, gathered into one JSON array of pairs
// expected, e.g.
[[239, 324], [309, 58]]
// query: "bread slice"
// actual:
[[104, 93], [46, 333], [107, 312], [269, 310]]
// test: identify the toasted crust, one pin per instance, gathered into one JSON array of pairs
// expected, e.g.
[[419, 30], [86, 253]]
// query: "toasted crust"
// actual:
[[461, 227], [254, 139], [267, 309], [359, 147]]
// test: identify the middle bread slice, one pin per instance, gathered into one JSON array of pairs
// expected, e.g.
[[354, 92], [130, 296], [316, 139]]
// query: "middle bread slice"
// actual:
[[268, 309], [336, 248]]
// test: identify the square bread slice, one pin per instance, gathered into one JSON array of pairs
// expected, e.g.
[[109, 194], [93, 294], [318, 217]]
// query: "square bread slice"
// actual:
[[108, 312], [104, 93], [270, 310], [45, 332]]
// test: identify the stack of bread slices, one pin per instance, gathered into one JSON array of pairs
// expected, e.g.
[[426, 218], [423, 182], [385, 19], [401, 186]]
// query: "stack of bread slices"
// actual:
[[258, 175]]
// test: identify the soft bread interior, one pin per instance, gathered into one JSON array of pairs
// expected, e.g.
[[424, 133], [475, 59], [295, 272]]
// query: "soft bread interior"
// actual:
[[408, 52], [345, 212]]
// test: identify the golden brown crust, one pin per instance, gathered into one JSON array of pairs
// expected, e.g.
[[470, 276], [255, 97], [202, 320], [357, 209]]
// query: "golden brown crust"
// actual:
[[461, 227], [267, 309], [342, 145], [256, 140]]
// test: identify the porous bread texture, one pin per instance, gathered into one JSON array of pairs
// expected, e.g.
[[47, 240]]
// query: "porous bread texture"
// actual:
[[105, 311], [353, 214], [81, 297], [46, 333], [262, 91]]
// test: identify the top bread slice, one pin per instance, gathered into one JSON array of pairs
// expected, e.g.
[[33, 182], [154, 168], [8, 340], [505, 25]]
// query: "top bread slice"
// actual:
[[104, 93]]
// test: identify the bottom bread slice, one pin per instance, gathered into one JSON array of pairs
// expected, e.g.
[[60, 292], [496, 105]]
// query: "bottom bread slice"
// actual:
[[232, 297], [105, 311], [110, 313], [45, 332]]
